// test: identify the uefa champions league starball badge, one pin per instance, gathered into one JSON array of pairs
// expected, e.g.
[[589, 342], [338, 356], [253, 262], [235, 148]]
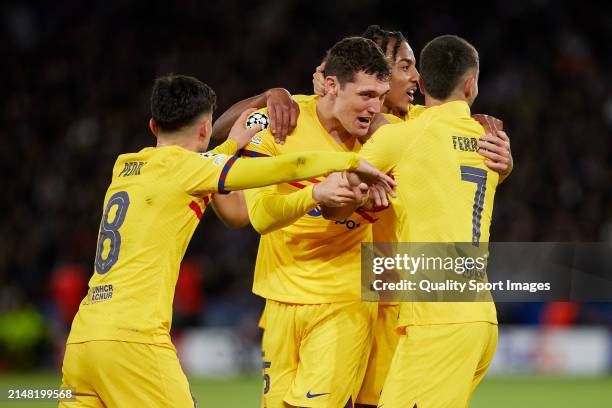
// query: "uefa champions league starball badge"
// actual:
[[258, 118]]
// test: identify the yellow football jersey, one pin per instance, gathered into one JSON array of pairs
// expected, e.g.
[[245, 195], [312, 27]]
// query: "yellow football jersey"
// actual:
[[444, 194], [313, 260], [383, 230], [151, 209], [414, 111]]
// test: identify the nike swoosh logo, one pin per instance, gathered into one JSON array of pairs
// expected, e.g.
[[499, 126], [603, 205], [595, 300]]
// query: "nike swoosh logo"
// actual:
[[309, 395]]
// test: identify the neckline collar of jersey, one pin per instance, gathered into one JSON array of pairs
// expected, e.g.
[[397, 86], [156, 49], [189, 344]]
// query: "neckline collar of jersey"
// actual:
[[455, 108]]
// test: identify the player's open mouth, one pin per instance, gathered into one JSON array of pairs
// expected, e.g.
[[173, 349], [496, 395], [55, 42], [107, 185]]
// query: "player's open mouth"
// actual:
[[410, 94], [364, 121]]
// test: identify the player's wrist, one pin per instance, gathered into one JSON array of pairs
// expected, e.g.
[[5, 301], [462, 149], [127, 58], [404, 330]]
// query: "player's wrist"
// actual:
[[354, 161], [318, 196]]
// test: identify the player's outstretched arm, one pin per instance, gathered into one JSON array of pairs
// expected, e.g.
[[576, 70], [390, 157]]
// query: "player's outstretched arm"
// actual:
[[282, 109], [241, 174], [270, 210]]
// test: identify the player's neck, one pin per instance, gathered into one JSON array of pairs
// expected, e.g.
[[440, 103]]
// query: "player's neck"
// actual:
[[431, 101], [400, 113], [180, 140], [331, 124]]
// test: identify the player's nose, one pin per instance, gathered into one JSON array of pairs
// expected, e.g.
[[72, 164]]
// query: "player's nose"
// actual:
[[375, 106]]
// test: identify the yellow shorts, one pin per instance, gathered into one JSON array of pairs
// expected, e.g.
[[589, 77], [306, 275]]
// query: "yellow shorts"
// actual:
[[383, 346], [122, 374], [315, 355], [439, 366]]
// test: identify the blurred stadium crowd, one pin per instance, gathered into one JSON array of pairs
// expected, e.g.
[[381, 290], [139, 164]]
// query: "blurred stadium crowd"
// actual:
[[77, 77]]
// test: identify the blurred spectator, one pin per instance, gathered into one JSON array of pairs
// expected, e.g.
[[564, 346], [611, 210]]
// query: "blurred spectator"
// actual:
[[69, 286], [189, 295]]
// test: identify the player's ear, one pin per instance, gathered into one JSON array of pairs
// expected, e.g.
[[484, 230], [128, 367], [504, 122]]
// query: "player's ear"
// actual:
[[421, 86], [153, 126], [332, 86], [205, 128], [470, 87]]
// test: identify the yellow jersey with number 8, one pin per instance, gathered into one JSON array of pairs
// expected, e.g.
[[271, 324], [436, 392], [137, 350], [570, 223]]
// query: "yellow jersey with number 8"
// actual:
[[151, 209]]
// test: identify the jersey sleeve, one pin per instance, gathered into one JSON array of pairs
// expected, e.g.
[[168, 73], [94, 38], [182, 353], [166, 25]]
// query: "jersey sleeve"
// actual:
[[229, 147], [240, 174], [199, 173], [386, 147], [270, 210]]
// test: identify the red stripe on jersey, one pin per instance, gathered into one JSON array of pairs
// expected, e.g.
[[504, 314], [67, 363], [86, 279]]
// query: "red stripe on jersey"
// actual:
[[223, 176], [196, 209], [366, 216], [298, 185]]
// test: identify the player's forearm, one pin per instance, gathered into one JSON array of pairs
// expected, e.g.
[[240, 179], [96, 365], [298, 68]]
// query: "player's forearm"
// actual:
[[269, 212], [231, 209], [224, 123], [242, 174]]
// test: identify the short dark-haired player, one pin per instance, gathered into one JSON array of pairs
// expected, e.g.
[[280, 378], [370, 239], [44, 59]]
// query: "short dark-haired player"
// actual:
[[445, 194]]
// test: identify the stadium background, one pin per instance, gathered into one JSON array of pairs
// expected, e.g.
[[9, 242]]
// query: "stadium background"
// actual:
[[76, 81]]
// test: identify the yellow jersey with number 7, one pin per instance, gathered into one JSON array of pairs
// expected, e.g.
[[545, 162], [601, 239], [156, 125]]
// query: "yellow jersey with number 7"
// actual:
[[445, 193]]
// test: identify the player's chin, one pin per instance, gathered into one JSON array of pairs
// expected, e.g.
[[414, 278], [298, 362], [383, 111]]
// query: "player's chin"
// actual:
[[358, 131], [402, 102]]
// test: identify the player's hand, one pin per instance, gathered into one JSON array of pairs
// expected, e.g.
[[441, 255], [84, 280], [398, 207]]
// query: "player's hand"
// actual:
[[495, 145], [283, 111], [241, 135], [377, 197], [496, 148], [370, 175], [335, 191], [318, 80]]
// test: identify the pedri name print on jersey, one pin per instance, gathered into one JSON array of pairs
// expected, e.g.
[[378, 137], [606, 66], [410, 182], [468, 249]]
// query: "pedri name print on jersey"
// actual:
[[131, 169]]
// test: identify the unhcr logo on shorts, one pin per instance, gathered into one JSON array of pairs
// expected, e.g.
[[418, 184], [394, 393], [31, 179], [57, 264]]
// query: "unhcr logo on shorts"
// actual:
[[99, 293]]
